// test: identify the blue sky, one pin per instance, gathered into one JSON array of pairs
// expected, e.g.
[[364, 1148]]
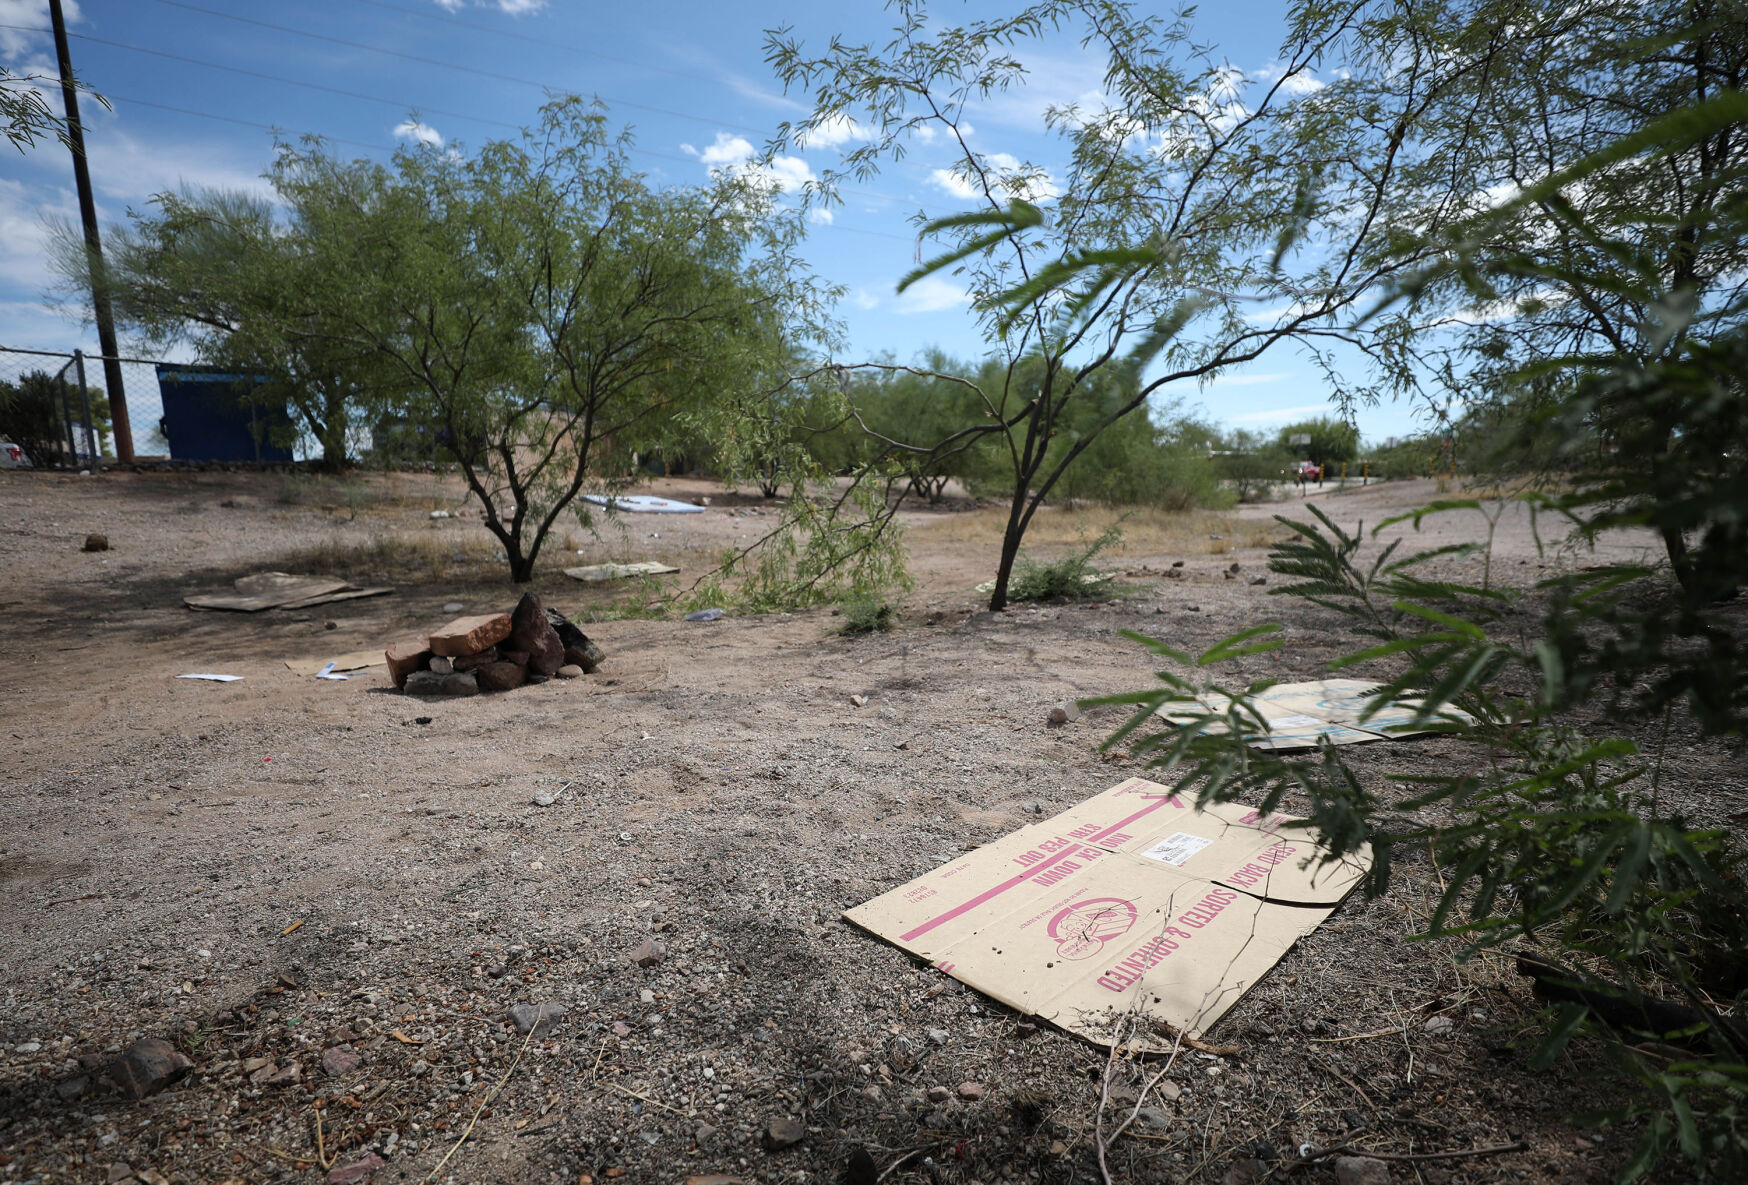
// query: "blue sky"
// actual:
[[197, 84]]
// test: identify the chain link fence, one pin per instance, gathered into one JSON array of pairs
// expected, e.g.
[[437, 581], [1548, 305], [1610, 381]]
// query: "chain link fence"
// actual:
[[54, 412]]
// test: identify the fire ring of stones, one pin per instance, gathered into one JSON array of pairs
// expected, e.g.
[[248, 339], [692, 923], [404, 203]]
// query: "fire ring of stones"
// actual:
[[494, 652]]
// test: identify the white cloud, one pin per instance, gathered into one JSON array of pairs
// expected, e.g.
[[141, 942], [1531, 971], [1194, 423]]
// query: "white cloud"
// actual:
[[423, 133], [24, 231], [932, 294], [1008, 178], [834, 132], [1279, 415], [862, 298], [520, 7], [820, 216], [1297, 85], [33, 14], [736, 155]]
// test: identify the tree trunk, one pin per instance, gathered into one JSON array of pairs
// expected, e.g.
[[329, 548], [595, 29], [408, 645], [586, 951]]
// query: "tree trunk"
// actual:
[[1010, 551]]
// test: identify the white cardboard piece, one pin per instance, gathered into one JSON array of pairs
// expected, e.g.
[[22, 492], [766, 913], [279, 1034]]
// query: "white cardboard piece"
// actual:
[[1299, 715], [642, 504], [1135, 900], [601, 573]]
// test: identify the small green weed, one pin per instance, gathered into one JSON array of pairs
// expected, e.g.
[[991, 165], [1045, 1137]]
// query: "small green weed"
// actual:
[[1069, 578], [867, 614]]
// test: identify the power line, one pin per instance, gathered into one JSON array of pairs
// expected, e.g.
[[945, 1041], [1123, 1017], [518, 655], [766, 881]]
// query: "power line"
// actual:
[[438, 62], [247, 123]]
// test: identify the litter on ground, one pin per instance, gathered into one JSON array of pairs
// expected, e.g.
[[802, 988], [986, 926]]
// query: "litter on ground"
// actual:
[[1135, 901], [600, 573], [1299, 715], [642, 504], [281, 590], [353, 660], [214, 678]]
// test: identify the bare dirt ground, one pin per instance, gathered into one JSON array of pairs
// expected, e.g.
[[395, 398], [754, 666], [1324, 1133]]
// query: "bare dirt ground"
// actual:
[[265, 870]]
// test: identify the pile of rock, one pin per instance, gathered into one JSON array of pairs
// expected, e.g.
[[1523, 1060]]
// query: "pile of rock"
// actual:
[[494, 652]]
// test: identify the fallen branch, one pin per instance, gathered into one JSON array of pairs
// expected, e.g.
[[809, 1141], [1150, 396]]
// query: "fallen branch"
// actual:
[[1317, 1154], [1625, 1010]]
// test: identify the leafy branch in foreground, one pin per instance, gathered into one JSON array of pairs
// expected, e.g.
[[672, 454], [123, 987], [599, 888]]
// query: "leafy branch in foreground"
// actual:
[[1547, 837]]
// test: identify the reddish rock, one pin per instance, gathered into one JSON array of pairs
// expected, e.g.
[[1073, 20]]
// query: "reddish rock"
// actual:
[[519, 657], [500, 676], [341, 1059], [346, 1174], [404, 658], [651, 952], [783, 1131], [470, 635], [148, 1066], [531, 631], [586, 655]]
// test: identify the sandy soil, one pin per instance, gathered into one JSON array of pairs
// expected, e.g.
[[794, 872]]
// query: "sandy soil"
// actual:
[[271, 868]]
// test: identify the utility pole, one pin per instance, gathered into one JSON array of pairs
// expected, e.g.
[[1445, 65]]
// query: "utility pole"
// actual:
[[124, 436]]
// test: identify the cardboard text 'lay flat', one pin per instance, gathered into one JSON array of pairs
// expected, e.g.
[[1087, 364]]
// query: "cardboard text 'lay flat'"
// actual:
[[1135, 901]]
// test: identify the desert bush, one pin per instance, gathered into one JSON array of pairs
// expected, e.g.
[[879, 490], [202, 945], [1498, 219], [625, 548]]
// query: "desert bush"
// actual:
[[1070, 578], [866, 614]]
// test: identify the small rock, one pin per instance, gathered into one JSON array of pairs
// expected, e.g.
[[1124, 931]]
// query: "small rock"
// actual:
[[646, 996], [782, 1132], [1058, 1148], [341, 1059], [1153, 1118], [96, 543], [939, 1094], [1064, 712], [714, 1178], [148, 1066], [120, 1171], [404, 658], [971, 1092], [649, 953], [440, 665], [1170, 1091], [1244, 1170], [1439, 1026], [285, 1076], [539, 1019], [1177, 563], [545, 797], [1361, 1170], [74, 1088], [621, 1029], [501, 676], [861, 701], [453, 607], [356, 1171], [1259, 580], [939, 1036], [569, 670]]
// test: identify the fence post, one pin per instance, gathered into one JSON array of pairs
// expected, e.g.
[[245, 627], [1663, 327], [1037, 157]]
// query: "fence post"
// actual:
[[72, 454], [91, 448]]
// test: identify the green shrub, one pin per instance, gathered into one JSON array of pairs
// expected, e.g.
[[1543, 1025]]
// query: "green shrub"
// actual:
[[1069, 578], [867, 614]]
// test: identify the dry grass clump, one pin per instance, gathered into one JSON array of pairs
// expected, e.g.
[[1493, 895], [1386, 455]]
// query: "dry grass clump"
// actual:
[[1146, 531]]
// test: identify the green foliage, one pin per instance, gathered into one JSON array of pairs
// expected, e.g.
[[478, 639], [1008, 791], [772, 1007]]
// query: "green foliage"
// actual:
[[1143, 259], [1250, 464], [25, 113], [1070, 578], [1559, 839], [35, 410], [1332, 441], [866, 614]]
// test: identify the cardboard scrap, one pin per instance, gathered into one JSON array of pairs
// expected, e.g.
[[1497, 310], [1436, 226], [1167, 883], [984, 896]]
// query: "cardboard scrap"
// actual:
[[642, 504], [600, 573], [1134, 900], [281, 590], [354, 660], [1299, 715]]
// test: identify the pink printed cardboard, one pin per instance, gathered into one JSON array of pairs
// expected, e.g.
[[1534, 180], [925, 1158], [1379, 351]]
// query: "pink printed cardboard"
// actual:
[[1133, 901]]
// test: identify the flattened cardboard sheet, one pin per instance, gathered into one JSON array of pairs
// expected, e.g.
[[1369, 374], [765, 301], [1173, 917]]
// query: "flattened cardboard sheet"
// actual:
[[1299, 715], [1133, 900], [600, 573]]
